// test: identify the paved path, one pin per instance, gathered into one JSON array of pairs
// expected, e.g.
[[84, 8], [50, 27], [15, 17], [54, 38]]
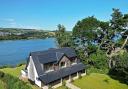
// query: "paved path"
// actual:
[[71, 86]]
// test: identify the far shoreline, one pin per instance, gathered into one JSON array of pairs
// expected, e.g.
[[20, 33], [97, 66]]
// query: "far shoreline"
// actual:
[[28, 39], [13, 66]]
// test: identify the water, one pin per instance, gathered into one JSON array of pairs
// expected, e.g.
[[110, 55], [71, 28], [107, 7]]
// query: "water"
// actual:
[[14, 52]]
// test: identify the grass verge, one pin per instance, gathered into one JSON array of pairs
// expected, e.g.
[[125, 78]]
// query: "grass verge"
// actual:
[[99, 81]]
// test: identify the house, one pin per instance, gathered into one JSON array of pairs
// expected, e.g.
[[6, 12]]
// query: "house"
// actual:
[[51, 67]]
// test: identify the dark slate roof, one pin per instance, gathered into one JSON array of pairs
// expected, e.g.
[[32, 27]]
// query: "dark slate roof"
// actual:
[[53, 55], [55, 75]]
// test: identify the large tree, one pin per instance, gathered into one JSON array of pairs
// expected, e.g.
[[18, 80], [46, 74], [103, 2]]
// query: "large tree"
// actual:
[[64, 38], [86, 28], [91, 33], [118, 27], [85, 33]]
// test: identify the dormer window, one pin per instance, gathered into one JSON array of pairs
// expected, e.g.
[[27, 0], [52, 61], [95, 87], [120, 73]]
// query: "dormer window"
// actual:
[[48, 67]]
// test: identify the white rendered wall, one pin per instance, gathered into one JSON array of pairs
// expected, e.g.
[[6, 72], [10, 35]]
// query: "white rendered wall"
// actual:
[[31, 63]]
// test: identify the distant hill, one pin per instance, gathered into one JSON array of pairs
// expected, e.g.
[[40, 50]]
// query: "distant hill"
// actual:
[[16, 30], [20, 33]]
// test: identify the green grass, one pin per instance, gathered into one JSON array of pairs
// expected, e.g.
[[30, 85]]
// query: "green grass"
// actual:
[[16, 73], [92, 81], [2, 85], [13, 71], [62, 87], [99, 81]]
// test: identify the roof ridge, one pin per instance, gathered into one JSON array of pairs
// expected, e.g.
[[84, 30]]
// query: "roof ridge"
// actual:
[[50, 49], [57, 56], [53, 55]]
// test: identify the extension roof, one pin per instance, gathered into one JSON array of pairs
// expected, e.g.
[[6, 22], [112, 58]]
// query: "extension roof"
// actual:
[[49, 77]]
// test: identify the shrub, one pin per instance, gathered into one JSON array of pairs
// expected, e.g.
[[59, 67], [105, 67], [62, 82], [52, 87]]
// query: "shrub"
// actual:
[[120, 70], [1, 74], [13, 82], [20, 64], [99, 60], [63, 83]]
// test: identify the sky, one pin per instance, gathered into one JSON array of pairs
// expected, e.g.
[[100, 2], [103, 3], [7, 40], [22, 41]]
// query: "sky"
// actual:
[[47, 14]]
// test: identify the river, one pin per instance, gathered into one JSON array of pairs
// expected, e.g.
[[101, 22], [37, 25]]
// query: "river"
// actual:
[[17, 51]]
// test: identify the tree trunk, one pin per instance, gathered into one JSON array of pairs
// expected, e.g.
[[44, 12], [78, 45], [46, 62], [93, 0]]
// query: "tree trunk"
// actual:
[[113, 63], [110, 63], [124, 42]]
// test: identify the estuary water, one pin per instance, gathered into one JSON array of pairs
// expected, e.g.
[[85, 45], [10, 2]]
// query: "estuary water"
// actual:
[[17, 51]]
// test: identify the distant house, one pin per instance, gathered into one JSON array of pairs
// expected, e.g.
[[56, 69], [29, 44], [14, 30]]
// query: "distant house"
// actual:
[[4, 33], [52, 66]]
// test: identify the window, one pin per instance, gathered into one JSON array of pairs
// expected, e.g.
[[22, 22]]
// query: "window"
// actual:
[[48, 67], [62, 64], [73, 61]]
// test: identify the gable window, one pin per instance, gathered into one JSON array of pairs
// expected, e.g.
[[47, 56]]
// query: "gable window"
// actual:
[[63, 64]]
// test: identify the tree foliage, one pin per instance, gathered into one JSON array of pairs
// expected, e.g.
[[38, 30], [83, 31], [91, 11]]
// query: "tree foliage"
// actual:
[[64, 39], [120, 70], [86, 29]]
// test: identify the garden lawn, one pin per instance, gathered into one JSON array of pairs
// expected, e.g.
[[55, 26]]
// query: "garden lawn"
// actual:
[[13, 71], [99, 81]]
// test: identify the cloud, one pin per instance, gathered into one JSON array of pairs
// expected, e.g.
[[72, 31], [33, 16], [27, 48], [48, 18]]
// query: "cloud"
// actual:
[[9, 20], [12, 23], [29, 26]]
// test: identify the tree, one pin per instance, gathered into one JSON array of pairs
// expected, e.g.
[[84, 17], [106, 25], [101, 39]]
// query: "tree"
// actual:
[[85, 32], [118, 27], [120, 70], [99, 60], [86, 28], [119, 24], [64, 38], [125, 32]]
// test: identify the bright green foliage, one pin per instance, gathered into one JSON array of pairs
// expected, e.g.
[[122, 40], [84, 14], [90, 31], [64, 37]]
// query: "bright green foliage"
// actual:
[[99, 60], [92, 69], [13, 71]]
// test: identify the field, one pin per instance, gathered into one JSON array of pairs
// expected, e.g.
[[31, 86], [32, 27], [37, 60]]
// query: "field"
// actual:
[[99, 81]]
